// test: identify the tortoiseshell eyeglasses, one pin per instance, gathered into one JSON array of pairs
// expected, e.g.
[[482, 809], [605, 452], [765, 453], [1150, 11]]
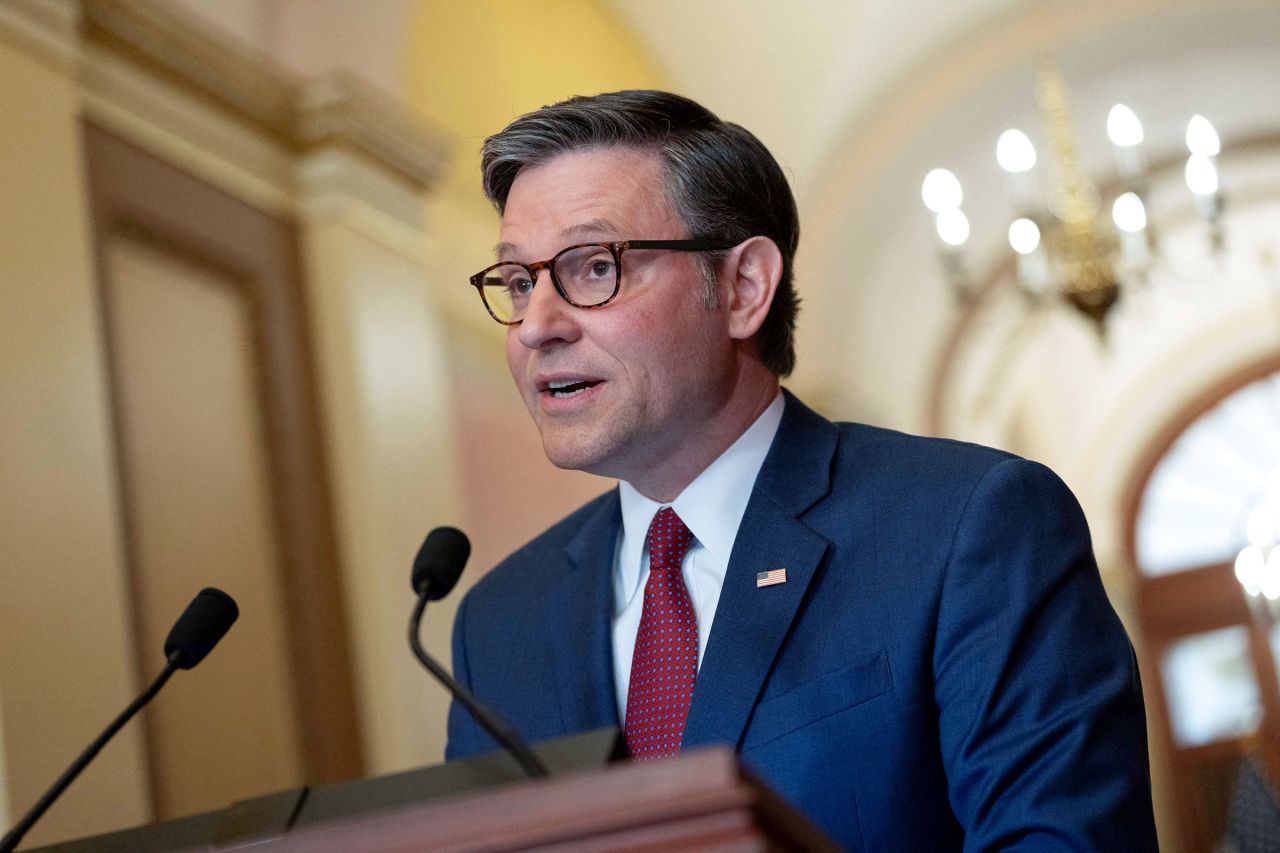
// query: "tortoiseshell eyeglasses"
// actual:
[[586, 275]]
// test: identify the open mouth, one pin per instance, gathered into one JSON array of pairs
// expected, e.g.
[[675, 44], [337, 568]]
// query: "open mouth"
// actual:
[[562, 389]]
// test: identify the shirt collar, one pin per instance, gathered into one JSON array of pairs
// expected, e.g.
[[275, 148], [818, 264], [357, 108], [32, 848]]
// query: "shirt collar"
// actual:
[[711, 506]]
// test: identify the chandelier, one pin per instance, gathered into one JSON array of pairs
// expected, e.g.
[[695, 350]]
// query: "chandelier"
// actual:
[[1071, 242]]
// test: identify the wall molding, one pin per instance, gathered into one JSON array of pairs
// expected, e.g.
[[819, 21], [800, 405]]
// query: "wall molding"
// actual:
[[221, 109], [302, 115], [47, 30]]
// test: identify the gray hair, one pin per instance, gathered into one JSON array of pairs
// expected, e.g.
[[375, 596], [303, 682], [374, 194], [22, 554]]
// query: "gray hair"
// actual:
[[721, 181]]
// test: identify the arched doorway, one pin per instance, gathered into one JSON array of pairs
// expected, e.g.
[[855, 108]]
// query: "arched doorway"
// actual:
[[1209, 666]]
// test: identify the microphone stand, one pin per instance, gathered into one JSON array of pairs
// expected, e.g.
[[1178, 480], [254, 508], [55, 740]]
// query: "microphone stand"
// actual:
[[11, 839], [529, 762]]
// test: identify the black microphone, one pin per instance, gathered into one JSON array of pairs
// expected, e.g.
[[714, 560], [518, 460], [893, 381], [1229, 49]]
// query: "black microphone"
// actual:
[[435, 571], [439, 563], [206, 619]]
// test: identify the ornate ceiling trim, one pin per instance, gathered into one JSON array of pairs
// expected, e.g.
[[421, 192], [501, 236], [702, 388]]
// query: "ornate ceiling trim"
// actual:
[[302, 116], [229, 77], [341, 110], [46, 29]]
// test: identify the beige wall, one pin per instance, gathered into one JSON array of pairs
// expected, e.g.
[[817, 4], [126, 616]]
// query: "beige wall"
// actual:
[[66, 666], [388, 417], [68, 663], [5, 819]]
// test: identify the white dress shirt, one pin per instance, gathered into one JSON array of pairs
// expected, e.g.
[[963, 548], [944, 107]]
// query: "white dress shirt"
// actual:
[[711, 507]]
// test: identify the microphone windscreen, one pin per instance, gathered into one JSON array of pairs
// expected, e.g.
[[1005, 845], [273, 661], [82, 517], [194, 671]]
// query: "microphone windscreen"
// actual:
[[207, 618], [439, 562]]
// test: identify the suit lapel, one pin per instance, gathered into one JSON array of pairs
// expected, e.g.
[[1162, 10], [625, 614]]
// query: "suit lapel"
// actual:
[[751, 623], [579, 609]]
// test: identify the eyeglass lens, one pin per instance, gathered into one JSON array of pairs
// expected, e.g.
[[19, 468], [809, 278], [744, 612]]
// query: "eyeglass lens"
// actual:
[[588, 275]]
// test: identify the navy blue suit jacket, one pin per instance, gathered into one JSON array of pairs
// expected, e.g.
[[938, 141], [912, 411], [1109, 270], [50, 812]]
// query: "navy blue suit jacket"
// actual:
[[942, 669]]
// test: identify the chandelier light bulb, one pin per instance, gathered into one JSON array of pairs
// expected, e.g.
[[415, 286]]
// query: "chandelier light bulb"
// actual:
[[953, 227], [941, 191], [1024, 236], [1261, 527], [1202, 175], [1014, 152], [1123, 128], [1202, 138], [1250, 564], [1129, 213], [1271, 576]]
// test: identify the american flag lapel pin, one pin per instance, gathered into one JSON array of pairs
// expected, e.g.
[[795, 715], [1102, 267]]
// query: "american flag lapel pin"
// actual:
[[771, 577]]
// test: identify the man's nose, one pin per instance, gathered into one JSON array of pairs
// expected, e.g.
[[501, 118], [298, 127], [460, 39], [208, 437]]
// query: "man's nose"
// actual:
[[547, 317]]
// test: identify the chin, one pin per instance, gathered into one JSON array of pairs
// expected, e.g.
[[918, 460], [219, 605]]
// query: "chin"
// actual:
[[595, 445], [576, 453], [565, 452]]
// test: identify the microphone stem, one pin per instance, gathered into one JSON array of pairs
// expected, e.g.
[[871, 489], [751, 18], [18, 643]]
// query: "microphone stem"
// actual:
[[486, 718], [11, 839]]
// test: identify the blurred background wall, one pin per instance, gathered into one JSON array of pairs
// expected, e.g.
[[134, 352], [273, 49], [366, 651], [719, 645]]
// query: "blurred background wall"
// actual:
[[239, 348]]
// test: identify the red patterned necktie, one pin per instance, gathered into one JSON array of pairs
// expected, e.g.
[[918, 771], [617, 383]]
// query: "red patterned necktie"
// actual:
[[665, 663]]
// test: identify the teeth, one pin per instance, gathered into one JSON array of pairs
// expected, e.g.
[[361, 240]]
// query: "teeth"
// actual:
[[566, 388]]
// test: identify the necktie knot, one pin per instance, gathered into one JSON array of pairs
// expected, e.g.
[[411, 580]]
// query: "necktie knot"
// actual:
[[669, 540]]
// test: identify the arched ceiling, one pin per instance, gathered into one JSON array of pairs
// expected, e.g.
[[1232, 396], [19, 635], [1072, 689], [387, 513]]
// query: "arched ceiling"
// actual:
[[796, 73], [822, 80]]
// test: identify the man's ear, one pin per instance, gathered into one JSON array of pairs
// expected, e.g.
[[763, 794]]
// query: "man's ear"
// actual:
[[749, 277]]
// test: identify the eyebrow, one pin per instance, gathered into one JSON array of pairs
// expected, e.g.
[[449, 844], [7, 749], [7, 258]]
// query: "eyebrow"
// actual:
[[594, 228]]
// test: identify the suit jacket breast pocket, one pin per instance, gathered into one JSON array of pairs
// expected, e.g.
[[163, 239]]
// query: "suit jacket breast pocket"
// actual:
[[819, 698]]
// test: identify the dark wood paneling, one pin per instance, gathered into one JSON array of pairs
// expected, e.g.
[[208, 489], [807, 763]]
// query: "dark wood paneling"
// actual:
[[1190, 602]]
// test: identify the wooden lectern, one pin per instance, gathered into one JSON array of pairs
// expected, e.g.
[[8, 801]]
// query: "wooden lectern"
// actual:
[[704, 800]]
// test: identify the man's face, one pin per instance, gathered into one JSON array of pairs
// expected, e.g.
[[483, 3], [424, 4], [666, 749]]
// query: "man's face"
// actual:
[[652, 370]]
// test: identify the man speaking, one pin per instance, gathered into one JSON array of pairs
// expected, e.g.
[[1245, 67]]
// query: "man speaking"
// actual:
[[905, 637]]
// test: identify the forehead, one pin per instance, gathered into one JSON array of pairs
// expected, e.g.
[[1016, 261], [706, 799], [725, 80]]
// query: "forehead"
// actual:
[[600, 193]]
